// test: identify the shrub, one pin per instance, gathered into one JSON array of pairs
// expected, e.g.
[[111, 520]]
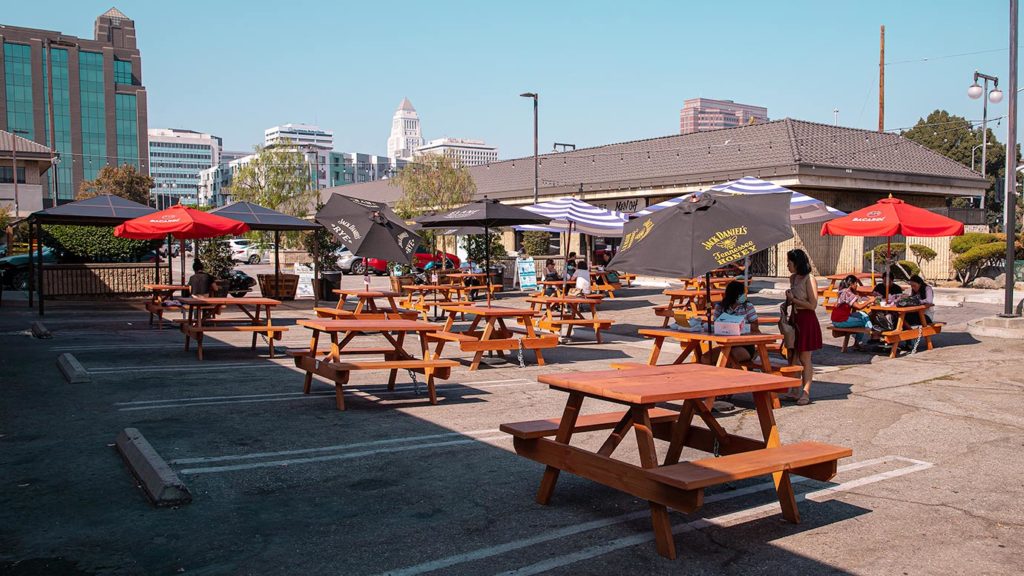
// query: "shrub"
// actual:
[[970, 263], [323, 246], [537, 243], [96, 244], [962, 244], [881, 250], [922, 253], [215, 254], [904, 269], [477, 248]]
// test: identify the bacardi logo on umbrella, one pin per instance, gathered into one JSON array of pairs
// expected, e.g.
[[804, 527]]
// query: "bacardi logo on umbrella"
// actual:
[[873, 216]]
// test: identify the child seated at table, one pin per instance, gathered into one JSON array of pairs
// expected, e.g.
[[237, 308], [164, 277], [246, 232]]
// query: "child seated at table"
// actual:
[[850, 310], [734, 303]]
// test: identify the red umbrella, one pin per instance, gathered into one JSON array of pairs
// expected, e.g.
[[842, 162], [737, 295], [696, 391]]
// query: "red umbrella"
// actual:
[[183, 223], [889, 217]]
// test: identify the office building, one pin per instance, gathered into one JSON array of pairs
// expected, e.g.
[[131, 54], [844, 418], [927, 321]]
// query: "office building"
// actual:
[[703, 114], [466, 152], [215, 181], [354, 167], [301, 135], [82, 97], [406, 135], [176, 157]]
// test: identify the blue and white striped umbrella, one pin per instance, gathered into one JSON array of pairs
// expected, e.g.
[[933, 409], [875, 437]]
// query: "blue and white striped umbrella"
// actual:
[[802, 208], [581, 217]]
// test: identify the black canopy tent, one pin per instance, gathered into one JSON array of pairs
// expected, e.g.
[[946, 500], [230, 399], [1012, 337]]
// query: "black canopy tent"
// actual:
[[260, 218], [102, 210]]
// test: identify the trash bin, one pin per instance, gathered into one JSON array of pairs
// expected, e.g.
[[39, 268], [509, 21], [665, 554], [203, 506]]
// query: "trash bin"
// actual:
[[329, 282]]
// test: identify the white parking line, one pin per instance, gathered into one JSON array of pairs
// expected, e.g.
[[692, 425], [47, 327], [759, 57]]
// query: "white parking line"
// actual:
[[604, 548]]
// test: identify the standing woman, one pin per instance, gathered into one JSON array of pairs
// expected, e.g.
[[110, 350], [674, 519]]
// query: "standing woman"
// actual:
[[802, 297]]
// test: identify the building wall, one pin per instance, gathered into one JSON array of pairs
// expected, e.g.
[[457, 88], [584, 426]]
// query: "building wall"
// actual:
[[30, 187], [176, 158], [98, 114]]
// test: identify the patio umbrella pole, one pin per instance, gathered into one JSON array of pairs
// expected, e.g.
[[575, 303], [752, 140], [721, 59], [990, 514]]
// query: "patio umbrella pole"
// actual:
[[170, 264], [888, 265], [277, 263], [707, 302], [182, 252], [487, 260]]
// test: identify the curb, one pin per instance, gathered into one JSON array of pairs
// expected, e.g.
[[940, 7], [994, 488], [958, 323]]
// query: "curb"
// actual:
[[72, 369], [996, 327], [162, 485]]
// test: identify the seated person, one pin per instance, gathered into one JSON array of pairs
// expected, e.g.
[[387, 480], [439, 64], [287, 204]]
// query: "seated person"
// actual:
[[880, 320], [570, 264], [924, 293], [550, 273], [200, 283], [894, 289], [581, 276], [734, 302], [469, 265], [853, 305]]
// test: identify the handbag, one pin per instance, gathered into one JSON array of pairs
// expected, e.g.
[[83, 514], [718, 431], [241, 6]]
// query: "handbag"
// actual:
[[786, 327], [841, 313], [611, 277], [908, 301]]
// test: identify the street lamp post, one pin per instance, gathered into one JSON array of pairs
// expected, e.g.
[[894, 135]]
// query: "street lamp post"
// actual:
[[974, 150], [1011, 168], [536, 177], [996, 96]]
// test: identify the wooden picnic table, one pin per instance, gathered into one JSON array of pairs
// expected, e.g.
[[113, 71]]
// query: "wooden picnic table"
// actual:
[[567, 312], [395, 357], [903, 332], [496, 336], [599, 282], [561, 286], [717, 283], [416, 297], [830, 294], [366, 307], [202, 317], [671, 484], [690, 301], [160, 293], [464, 287]]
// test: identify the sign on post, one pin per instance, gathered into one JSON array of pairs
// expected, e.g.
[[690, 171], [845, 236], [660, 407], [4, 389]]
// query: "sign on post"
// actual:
[[527, 271]]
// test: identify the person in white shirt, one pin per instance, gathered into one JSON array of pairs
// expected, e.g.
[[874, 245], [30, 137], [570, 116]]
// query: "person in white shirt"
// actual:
[[582, 279]]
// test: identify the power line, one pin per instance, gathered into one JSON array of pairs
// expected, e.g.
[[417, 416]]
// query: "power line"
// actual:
[[947, 56]]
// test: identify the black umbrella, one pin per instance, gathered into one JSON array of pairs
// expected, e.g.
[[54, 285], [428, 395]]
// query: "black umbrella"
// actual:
[[488, 214], [369, 229], [703, 233]]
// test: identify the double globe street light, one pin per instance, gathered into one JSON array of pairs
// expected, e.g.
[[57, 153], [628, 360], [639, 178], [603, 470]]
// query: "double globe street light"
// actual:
[[976, 91]]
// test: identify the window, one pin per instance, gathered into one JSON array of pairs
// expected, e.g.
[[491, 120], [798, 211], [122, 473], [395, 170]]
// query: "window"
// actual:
[[7, 175], [94, 130], [18, 68], [126, 121], [123, 72]]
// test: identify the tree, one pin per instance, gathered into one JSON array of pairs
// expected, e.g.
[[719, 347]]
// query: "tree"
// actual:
[[124, 181], [433, 183], [537, 243], [278, 178], [955, 138]]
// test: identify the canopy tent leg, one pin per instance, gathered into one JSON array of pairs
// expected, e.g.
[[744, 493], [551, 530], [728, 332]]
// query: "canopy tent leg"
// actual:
[[316, 267], [31, 269], [39, 255], [277, 264]]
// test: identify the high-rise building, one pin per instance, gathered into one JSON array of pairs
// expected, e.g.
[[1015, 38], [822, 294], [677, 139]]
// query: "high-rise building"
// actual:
[[354, 167], [83, 98], [176, 157], [702, 114], [299, 135], [215, 182], [406, 135], [467, 152]]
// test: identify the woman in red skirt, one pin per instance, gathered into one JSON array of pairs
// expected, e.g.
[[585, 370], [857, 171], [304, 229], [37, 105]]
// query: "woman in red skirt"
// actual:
[[802, 298]]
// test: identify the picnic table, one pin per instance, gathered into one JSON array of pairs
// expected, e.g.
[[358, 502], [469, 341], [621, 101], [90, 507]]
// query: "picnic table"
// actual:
[[569, 314], [366, 307], [161, 293], [395, 357], [496, 336], [599, 282], [691, 301], [903, 332], [463, 286], [202, 317], [561, 286], [671, 484], [830, 294], [698, 282], [417, 294]]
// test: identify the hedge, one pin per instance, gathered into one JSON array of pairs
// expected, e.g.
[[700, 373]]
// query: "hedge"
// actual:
[[96, 243]]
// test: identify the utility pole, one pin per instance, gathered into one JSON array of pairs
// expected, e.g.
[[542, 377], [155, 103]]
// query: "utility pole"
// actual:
[[881, 79], [14, 162]]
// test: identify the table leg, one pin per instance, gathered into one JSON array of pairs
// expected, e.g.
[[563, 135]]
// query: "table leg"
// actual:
[[479, 354], [565, 429], [649, 459], [618, 433], [399, 345], [531, 334], [652, 359], [314, 341], [335, 355], [680, 430], [770, 432], [689, 347]]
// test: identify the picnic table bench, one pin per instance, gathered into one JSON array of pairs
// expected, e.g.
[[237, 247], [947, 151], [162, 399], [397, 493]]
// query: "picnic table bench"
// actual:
[[901, 333], [830, 294], [599, 283], [366, 307], [569, 314], [689, 301], [197, 324], [496, 336], [329, 364], [161, 293], [670, 484]]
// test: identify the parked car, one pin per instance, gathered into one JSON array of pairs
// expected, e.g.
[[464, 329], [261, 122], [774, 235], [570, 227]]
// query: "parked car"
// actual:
[[245, 250], [420, 259], [347, 261], [16, 269]]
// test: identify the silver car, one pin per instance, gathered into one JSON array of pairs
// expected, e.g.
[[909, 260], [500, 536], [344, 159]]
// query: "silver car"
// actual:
[[347, 261]]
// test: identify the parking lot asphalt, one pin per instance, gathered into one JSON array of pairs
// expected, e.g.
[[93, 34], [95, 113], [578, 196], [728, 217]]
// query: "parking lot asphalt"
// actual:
[[283, 483]]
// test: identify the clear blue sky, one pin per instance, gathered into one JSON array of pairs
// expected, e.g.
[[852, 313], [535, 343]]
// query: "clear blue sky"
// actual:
[[606, 71]]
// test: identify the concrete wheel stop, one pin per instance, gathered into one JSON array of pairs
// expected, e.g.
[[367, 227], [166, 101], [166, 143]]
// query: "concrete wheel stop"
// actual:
[[158, 480]]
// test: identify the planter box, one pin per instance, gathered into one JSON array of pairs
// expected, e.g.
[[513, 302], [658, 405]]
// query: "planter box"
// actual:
[[398, 281], [283, 291]]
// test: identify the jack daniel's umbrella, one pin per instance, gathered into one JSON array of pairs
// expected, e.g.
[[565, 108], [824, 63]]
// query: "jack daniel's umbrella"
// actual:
[[703, 233], [369, 229], [488, 214]]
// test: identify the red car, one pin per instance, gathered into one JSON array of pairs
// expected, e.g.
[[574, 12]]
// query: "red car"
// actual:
[[420, 260]]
